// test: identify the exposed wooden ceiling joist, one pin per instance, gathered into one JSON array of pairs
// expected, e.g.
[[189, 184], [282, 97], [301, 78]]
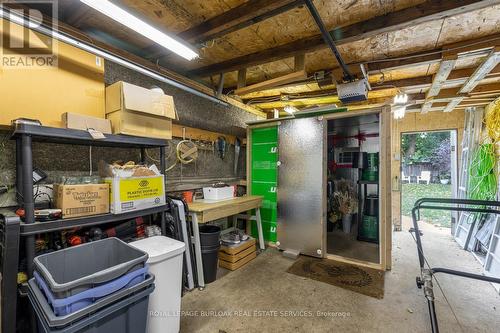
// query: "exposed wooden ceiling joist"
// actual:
[[445, 68], [292, 77], [428, 11], [482, 70], [411, 60], [454, 103], [237, 18]]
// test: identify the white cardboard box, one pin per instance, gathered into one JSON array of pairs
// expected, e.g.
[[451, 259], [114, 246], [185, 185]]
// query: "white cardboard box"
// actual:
[[135, 193]]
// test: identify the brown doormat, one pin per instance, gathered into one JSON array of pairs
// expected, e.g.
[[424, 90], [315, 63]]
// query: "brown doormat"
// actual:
[[363, 280]]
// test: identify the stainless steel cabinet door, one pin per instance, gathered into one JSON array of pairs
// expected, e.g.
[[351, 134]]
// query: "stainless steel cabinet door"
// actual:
[[301, 185]]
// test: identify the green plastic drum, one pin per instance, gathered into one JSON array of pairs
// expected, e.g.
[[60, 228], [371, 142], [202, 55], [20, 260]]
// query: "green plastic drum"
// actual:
[[371, 171], [369, 228]]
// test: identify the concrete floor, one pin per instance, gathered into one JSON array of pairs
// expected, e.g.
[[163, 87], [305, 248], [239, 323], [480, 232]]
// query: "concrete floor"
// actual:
[[263, 285], [346, 245]]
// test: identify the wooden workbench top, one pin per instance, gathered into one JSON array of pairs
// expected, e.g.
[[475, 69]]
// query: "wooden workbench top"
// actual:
[[210, 211]]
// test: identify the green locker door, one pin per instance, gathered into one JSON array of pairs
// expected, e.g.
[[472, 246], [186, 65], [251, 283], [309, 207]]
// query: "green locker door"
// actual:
[[264, 176]]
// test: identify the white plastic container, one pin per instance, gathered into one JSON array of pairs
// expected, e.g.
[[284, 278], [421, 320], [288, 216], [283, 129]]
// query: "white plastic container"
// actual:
[[218, 193], [165, 262]]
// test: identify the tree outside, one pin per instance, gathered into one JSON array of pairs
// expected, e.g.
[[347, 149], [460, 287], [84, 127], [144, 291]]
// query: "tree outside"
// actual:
[[426, 152]]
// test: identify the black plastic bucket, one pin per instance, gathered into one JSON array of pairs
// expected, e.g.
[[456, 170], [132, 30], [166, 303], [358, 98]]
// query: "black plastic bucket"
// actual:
[[210, 263], [210, 245], [209, 235]]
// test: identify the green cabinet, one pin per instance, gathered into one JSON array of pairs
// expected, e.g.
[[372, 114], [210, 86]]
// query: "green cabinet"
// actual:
[[264, 177]]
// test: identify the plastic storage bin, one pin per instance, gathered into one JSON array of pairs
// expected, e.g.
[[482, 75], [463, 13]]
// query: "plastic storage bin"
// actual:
[[73, 270], [218, 193], [165, 262], [124, 312], [63, 306]]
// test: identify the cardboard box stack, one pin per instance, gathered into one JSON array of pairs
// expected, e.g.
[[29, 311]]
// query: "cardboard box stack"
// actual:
[[139, 111]]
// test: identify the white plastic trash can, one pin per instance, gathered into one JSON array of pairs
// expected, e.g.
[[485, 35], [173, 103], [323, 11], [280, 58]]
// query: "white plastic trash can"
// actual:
[[165, 262]]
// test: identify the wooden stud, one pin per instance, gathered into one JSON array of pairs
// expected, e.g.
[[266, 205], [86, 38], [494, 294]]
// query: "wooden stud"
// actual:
[[179, 131], [299, 62], [292, 77], [237, 18], [242, 78], [220, 86]]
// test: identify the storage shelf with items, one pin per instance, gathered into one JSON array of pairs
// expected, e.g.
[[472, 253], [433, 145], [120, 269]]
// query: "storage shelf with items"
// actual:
[[16, 232]]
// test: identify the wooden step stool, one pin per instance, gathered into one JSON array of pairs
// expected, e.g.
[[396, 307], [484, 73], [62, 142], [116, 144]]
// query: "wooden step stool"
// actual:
[[235, 256]]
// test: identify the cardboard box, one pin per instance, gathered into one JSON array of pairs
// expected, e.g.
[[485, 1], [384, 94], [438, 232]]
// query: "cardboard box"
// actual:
[[82, 122], [134, 110], [76, 84], [135, 193], [82, 200]]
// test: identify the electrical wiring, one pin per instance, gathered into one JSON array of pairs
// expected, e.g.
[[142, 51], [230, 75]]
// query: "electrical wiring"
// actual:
[[182, 159], [156, 160], [178, 155]]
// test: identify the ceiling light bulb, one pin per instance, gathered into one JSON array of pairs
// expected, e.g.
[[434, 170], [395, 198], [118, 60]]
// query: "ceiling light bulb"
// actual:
[[121, 16], [400, 99], [290, 109]]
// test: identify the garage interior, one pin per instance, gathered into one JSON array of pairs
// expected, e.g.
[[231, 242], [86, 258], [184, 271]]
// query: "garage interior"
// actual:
[[241, 165]]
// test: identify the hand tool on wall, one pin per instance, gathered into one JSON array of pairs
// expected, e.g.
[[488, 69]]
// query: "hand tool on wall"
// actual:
[[221, 146]]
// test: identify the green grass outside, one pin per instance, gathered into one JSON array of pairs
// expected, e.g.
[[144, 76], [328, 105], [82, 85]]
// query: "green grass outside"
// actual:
[[412, 192]]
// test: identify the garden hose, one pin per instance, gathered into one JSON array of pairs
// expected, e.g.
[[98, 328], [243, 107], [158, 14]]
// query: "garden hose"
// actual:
[[482, 176], [492, 120]]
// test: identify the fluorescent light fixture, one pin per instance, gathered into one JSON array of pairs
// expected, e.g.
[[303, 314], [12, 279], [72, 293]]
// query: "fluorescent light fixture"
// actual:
[[290, 109], [121, 16], [399, 111], [26, 22], [400, 99]]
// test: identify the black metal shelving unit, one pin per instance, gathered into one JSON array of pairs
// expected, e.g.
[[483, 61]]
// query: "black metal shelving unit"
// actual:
[[11, 228]]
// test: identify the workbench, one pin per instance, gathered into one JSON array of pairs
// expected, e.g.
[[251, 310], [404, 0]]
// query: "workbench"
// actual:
[[207, 211]]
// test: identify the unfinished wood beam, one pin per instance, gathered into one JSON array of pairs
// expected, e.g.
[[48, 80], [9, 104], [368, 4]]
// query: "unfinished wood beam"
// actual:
[[423, 81], [413, 60], [463, 47], [242, 78], [451, 105], [428, 11], [237, 18], [426, 107], [482, 70], [220, 85], [445, 68], [278, 81], [299, 62]]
